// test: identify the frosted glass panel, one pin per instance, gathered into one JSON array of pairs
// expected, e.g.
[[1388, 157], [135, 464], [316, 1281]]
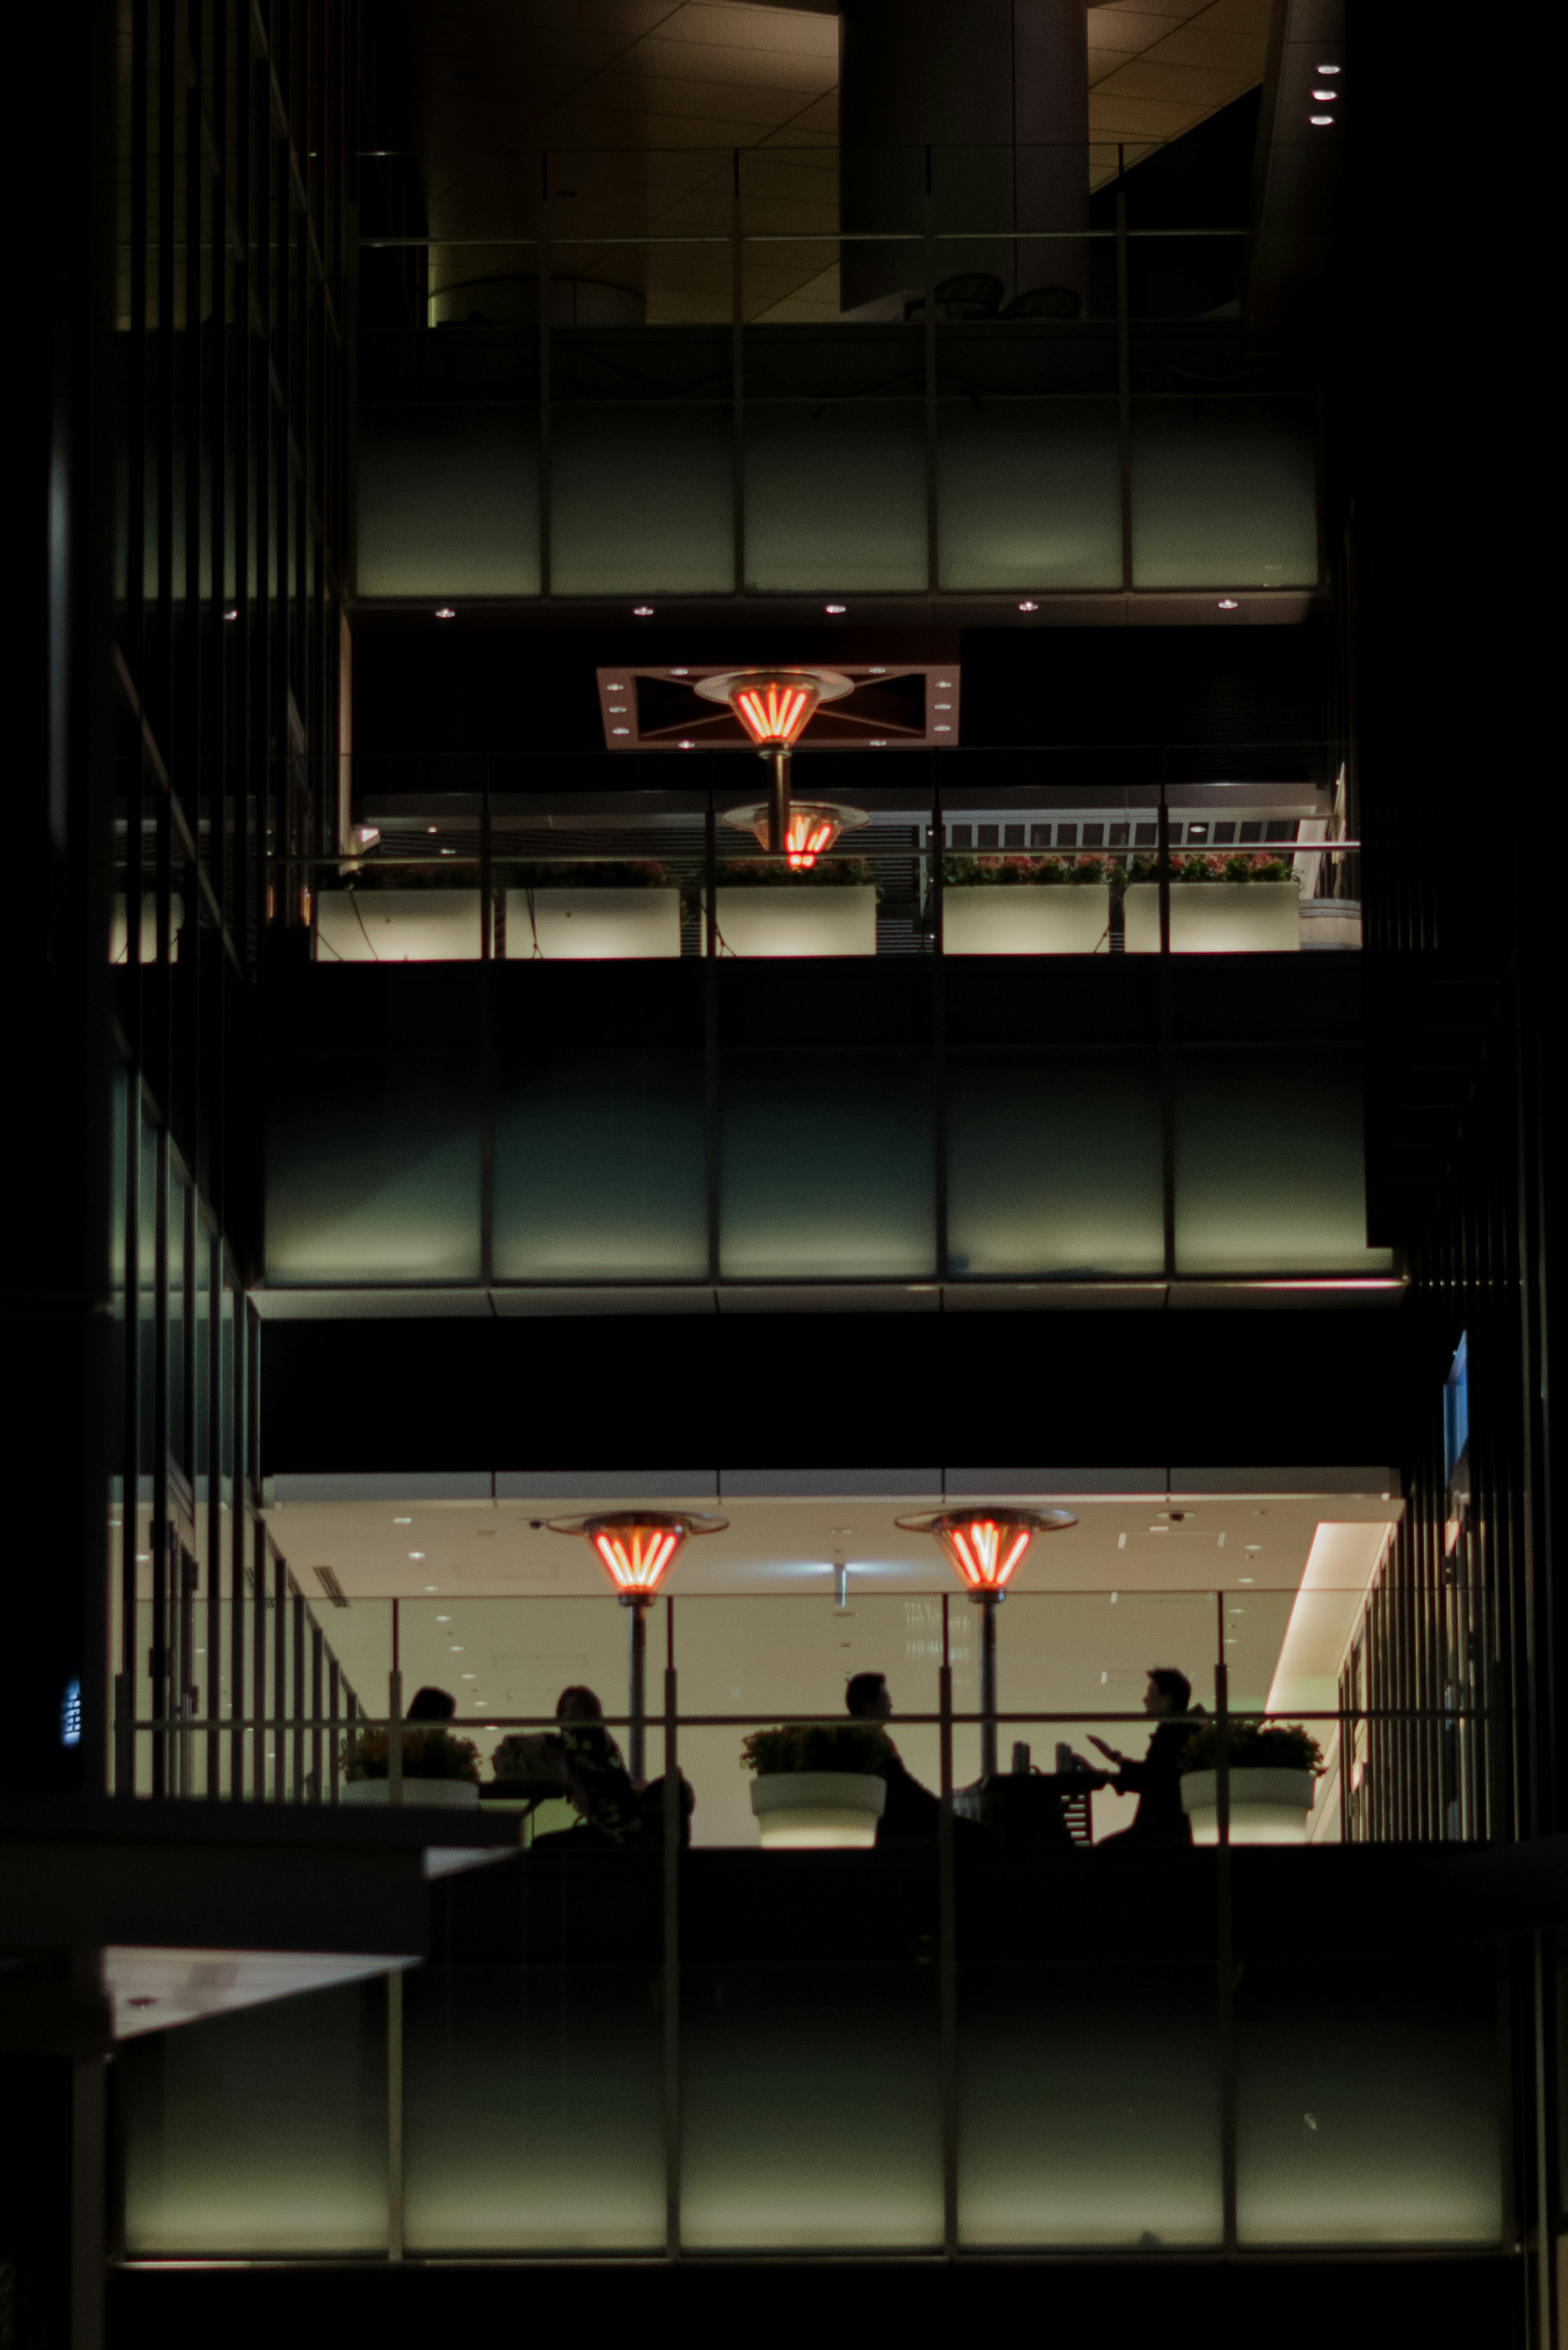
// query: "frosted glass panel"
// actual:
[[532, 2113], [640, 497], [1370, 2109], [599, 1168], [448, 501], [261, 2132], [1055, 1166], [828, 1166], [372, 1170], [1270, 1165], [811, 2112], [836, 495], [1088, 2106], [1029, 494], [1224, 494]]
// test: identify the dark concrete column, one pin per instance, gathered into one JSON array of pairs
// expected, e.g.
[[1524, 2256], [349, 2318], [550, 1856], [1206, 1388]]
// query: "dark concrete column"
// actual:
[[998, 91]]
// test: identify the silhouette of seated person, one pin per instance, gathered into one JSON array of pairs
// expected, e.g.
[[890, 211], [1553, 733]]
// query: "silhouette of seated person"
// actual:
[[612, 1808], [431, 1705], [1157, 1779], [911, 1809]]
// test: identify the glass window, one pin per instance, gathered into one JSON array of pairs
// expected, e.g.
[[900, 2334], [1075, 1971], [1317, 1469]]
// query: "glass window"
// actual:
[[1224, 494], [373, 1170], [836, 495], [640, 497], [1271, 1172], [1054, 1165], [600, 1168], [1029, 494], [827, 1166], [448, 501]]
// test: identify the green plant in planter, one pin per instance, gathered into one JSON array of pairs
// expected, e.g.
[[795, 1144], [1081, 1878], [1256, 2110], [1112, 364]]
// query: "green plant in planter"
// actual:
[[1015, 871], [431, 1753], [816, 1746], [1243, 866], [775, 873], [1254, 1745], [586, 873]]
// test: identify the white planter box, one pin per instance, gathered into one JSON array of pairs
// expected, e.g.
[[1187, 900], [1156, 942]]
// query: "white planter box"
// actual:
[[1054, 918], [592, 925], [447, 1795], [797, 919], [397, 926], [1331, 922], [1266, 1807], [1215, 918], [818, 1811]]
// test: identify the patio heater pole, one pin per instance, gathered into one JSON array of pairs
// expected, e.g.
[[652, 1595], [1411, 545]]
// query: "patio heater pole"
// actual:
[[988, 1602], [638, 1604]]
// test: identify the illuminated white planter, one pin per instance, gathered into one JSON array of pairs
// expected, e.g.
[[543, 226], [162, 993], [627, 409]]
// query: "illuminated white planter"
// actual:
[[592, 925], [449, 1795], [1267, 1806], [397, 926], [818, 1811], [797, 919], [1215, 918], [1022, 919]]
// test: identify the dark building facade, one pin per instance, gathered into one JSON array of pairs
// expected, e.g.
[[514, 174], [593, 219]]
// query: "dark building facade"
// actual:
[[454, 1101]]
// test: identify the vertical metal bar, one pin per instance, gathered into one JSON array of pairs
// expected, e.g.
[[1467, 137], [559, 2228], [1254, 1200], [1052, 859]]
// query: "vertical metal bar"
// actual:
[[712, 1143], [395, 1716], [258, 1661], [296, 1615], [737, 377], [545, 534], [1166, 1006], [674, 1828], [131, 1432], [239, 1521], [939, 1032], [1124, 380], [947, 1948], [215, 1544], [395, 2114], [933, 533], [1224, 1941], [279, 1679]]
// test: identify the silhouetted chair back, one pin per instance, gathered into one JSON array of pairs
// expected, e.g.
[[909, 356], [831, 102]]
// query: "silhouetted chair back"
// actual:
[[1046, 302]]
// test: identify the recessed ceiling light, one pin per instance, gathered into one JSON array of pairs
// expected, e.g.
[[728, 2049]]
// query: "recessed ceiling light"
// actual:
[[686, 746], [445, 612], [620, 730], [433, 1587], [642, 611], [944, 682], [942, 730], [877, 672], [1329, 70], [944, 705], [836, 608], [1318, 121], [448, 852], [1243, 1578], [680, 673], [1228, 604], [1028, 605], [231, 616], [430, 828], [416, 1554], [1324, 95], [444, 1619], [878, 746], [402, 1522]]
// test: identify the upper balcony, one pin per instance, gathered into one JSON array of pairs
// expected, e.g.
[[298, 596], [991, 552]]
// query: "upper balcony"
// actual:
[[717, 377]]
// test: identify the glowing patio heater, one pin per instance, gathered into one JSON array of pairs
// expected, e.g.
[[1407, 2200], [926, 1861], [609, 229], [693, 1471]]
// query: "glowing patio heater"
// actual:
[[985, 1548], [775, 706], [636, 1549]]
